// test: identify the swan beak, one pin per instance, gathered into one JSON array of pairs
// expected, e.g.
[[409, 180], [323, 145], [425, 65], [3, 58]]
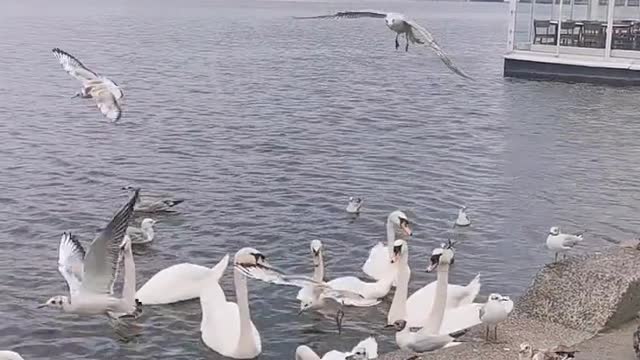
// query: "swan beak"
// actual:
[[406, 229]]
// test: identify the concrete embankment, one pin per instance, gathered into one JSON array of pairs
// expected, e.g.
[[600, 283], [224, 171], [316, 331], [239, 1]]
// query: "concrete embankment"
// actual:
[[589, 301]]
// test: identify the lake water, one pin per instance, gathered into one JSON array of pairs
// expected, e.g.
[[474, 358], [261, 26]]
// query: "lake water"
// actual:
[[265, 125]]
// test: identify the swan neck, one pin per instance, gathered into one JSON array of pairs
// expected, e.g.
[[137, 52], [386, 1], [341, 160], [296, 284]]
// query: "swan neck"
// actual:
[[318, 267], [398, 310], [242, 297], [391, 237], [434, 321]]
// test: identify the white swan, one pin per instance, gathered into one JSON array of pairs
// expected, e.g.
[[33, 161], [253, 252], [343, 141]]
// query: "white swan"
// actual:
[[379, 265], [226, 326], [369, 291], [144, 234], [432, 314], [10, 355], [179, 282], [366, 349], [561, 243], [495, 311], [421, 341], [463, 219]]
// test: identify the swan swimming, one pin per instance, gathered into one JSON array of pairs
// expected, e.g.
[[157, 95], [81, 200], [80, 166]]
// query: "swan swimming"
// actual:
[[152, 205], [10, 355], [180, 282], [379, 264], [430, 310], [463, 218], [561, 243], [422, 341], [311, 296], [226, 326], [366, 349], [354, 205], [90, 276], [144, 234], [495, 311], [103, 90], [400, 24]]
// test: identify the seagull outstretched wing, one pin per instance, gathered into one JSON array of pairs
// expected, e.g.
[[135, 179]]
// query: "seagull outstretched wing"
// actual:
[[73, 66], [430, 41], [106, 102], [71, 261], [348, 15]]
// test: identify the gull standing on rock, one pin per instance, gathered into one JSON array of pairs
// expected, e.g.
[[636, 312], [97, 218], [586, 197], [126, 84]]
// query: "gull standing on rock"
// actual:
[[400, 24], [91, 275], [560, 352], [561, 243], [103, 90], [495, 311]]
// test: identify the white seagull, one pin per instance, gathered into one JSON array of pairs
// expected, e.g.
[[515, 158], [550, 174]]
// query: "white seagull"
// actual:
[[144, 234], [354, 205], [399, 23], [103, 90], [153, 204], [366, 349], [495, 311], [561, 243], [91, 275], [463, 218]]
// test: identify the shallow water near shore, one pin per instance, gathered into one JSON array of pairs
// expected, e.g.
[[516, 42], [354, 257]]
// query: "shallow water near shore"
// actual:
[[266, 125]]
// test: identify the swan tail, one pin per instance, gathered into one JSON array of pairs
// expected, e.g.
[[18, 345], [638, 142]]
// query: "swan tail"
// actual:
[[219, 268], [377, 262], [472, 290], [371, 345]]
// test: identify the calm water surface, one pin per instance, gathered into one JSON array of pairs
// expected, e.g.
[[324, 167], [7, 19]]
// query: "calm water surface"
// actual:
[[266, 125]]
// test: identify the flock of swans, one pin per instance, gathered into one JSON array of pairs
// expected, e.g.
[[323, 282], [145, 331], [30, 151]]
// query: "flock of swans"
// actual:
[[431, 318]]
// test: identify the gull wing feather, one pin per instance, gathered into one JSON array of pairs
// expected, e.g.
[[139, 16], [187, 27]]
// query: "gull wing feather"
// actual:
[[348, 15], [426, 343], [73, 66], [70, 261], [102, 259], [430, 41], [106, 102], [113, 88]]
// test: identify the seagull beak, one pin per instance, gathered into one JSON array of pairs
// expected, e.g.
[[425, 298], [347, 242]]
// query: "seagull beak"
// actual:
[[388, 326], [40, 306]]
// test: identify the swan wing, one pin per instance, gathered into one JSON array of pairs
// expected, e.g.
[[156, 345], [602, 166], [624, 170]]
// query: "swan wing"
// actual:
[[430, 41], [370, 344], [176, 283], [460, 318], [425, 343], [347, 283], [349, 15], [463, 295], [378, 263], [70, 261]]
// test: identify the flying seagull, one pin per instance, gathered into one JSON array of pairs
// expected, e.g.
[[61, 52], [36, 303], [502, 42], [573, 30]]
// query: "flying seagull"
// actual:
[[103, 90], [413, 32]]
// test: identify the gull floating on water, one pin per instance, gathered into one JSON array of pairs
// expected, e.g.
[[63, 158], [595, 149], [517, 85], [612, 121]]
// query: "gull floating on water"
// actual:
[[495, 311], [91, 275], [463, 218], [10, 355], [354, 205], [366, 349], [180, 282], [103, 90], [150, 205], [399, 23], [561, 243], [144, 234]]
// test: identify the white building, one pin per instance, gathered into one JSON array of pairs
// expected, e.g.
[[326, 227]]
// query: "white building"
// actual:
[[588, 40]]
